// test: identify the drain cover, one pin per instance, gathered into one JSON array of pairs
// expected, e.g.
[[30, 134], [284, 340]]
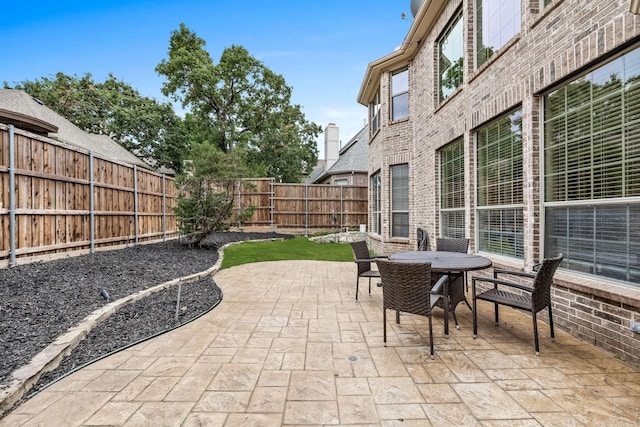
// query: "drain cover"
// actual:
[[352, 358]]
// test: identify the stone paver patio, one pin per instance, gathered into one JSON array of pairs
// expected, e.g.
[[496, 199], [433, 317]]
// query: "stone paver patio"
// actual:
[[289, 345]]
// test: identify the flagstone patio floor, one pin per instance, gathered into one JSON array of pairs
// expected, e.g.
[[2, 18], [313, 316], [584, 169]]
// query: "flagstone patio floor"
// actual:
[[289, 345]]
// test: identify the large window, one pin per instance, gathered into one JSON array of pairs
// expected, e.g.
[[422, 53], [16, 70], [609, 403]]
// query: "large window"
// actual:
[[451, 58], [592, 171], [376, 203], [400, 95], [452, 190], [497, 21], [400, 200], [500, 222], [374, 108]]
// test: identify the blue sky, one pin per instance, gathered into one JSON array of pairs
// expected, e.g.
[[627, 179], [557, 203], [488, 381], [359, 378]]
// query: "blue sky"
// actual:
[[322, 48]]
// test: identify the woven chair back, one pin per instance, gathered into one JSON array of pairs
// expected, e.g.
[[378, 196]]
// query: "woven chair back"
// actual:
[[541, 295], [452, 245], [406, 287], [361, 251]]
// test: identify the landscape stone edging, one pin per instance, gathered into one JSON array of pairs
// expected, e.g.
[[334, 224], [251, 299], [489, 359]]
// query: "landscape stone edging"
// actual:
[[23, 378]]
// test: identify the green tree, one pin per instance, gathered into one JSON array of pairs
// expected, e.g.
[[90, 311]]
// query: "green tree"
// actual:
[[149, 129], [243, 104]]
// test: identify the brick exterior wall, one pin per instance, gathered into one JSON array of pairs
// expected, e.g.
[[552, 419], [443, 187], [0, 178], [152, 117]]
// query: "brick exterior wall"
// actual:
[[554, 44]]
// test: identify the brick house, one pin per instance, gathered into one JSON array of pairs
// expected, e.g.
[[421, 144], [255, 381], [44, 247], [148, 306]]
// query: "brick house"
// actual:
[[346, 165], [519, 128]]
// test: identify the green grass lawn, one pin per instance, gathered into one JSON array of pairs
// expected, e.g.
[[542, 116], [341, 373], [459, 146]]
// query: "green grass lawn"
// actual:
[[298, 248]]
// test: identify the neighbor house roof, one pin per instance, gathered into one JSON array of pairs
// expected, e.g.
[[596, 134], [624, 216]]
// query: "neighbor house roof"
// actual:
[[352, 158], [25, 112]]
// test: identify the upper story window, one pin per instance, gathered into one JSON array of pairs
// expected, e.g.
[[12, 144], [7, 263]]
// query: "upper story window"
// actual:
[[451, 58], [400, 95], [374, 112], [497, 21]]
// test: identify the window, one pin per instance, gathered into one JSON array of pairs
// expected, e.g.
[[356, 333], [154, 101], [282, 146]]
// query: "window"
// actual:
[[400, 95], [400, 200], [497, 21], [342, 181], [374, 111], [450, 58], [452, 190], [376, 203], [592, 171], [500, 221]]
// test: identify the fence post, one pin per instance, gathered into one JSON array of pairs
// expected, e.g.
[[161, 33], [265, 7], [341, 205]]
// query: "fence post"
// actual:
[[306, 210], [341, 209], [92, 219], [272, 203], [135, 202], [164, 209], [12, 198]]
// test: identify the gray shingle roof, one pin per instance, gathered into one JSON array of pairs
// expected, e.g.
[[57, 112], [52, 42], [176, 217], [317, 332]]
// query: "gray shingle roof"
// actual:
[[20, 102], [352, 158]]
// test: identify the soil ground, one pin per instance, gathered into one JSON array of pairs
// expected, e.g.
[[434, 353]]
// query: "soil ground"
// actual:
[[41, 301]]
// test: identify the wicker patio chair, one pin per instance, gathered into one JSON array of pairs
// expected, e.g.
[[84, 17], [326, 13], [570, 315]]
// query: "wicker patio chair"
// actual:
[[406, 287], [532, 298], [456, 294], [423, 239], [363, 260]]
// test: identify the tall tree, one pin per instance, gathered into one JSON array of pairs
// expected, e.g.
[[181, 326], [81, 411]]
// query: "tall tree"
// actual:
[[149, 129], [244, 104]]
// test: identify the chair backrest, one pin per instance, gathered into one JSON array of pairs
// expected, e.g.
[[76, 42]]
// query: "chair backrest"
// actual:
[[406, 286], [541, 296], [361, 251], [452, 245], [423, 239]]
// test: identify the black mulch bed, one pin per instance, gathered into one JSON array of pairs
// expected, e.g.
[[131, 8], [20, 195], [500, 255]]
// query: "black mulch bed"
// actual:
[[41, 301]]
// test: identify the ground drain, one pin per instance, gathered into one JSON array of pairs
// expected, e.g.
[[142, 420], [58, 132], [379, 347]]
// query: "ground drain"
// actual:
[[352, 358]]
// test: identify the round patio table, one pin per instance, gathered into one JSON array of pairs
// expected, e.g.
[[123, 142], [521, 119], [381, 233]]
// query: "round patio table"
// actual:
[[451, 264]]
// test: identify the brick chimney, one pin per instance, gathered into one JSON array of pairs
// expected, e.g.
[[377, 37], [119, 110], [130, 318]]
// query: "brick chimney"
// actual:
[[331, 145]]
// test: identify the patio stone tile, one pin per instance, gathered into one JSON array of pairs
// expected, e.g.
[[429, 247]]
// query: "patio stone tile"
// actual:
[[438, 393], [112, 381], [363, 368], [505, 374], [534, 401], [160, 413], [388, 363], [345, 350], [314, 385], [113, 413], [386, 390], [404, 412], [138, 362], [489, 402], [352, 386], [289, 345], [357, 410], [512, 385], [169, 366], [318, 357], [550, 378], [235, 377], [230, 340], [418, 373], [268, 399], [293, 361], [462, 367], [250, 355], [491, 359], [590, 409], [223, 401], [274, 378], [209, 419], [67, 411], [440, 372], [133, 389], [190, 387], [252, 420], [309, 412], [450, 415], [158, 389], [555, 419]]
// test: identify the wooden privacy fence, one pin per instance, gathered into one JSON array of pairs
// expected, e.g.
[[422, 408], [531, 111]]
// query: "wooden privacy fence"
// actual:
[[303, 206], [57, 199]]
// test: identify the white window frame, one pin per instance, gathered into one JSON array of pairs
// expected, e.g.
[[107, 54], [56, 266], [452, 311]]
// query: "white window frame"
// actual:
[[400, 95], [396, 199]]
